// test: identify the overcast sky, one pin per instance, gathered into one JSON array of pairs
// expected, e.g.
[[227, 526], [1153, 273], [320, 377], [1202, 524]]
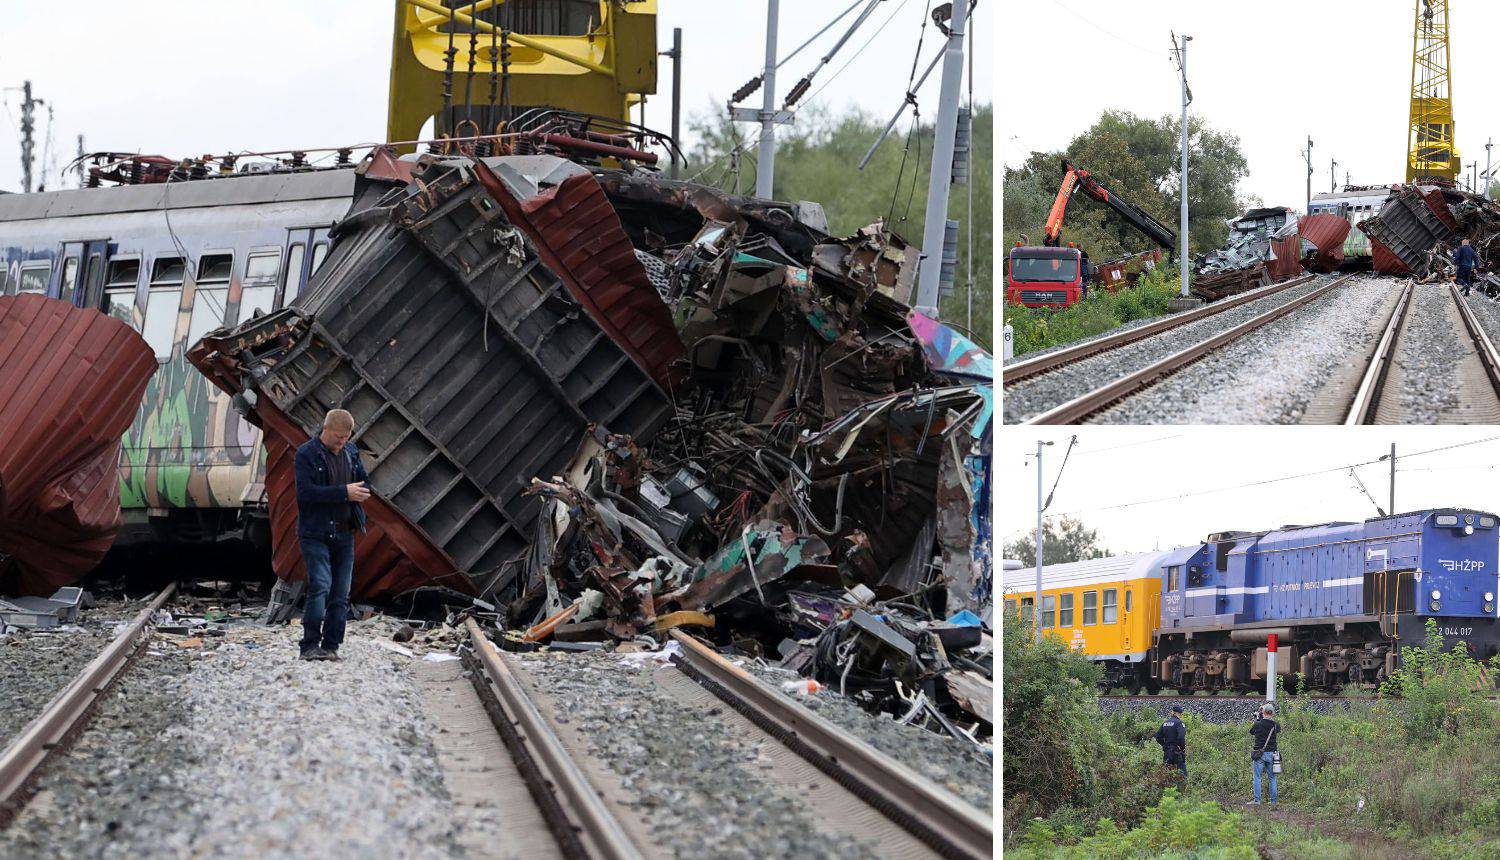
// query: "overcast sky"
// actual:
[[1271, 72], [187, 78], [1146, 488]]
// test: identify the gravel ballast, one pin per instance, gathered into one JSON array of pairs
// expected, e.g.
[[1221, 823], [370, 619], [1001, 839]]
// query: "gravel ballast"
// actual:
[[1427, 383], [1038, 394], [947, 761], [1269, 375], [235, 748], [682, 770]]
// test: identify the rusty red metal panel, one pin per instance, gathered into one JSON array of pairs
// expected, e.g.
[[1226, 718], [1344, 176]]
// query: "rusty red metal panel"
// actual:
[[1287, 262], [579, 236], [381, 568], [1434, 199], [1327, 233], [1384, 262], [71, 380]]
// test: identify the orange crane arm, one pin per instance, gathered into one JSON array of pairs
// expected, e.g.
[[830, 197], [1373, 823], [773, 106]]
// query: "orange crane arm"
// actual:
[[1052, 233]]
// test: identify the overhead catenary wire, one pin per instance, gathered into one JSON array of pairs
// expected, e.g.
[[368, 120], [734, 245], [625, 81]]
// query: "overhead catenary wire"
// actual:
[[803, 85]]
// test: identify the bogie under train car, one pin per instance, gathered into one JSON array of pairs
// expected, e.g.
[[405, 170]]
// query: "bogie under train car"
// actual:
[[174, 261], [1341, 597]]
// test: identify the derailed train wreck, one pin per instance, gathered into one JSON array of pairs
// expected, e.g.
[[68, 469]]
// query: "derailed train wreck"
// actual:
[[608, 404]]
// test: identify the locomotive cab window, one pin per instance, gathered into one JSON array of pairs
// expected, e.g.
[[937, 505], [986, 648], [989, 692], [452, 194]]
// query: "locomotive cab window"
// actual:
[[1065, 610], [34, 278], [1049, 610], [210, 295], [162, 301], [1111, 610], [119, 289], [1173, 574], [1090, 608], [258, 295]]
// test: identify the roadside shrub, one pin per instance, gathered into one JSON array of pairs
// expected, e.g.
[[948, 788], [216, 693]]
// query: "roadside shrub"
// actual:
[[1442, 693], [1041, 328], [1175, 827]]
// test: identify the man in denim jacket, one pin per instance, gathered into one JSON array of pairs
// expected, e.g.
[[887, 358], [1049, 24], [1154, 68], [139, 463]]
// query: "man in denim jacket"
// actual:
[[331, 484]]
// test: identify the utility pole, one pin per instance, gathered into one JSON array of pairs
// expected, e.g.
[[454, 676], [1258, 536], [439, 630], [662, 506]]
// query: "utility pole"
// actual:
[[1333, 182], [28, 128], [80, 167], [940, 179], [1488, 177], [1036, 605], [1187, 98], [1392, 457], [676, 55], [765, 165], [1307, 156]]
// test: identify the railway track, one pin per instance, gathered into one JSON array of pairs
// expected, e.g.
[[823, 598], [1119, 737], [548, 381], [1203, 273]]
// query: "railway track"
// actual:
[[65, 717], [944, 823], [1103, 396], [1384, 396]]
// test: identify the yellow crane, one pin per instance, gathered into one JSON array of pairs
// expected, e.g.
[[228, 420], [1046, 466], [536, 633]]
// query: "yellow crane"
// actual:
[[594, 57], [1430, 151]]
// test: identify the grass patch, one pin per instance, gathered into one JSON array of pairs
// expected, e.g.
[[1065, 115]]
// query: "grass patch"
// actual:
[[1041, 328]]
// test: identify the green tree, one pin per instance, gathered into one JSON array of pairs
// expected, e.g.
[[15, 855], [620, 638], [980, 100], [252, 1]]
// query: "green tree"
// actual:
[[1139, 159], [1063, 540], [817, 159]]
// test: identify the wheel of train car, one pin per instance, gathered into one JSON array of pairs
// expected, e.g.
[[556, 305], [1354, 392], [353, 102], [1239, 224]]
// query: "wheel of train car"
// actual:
[[1153, 686], [1133, 687]]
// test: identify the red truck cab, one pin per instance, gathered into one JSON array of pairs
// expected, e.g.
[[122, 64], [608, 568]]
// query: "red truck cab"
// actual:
[[1044, 277]]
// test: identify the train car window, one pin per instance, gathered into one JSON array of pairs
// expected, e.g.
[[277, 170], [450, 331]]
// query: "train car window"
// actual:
[[69, 279], [1090, 608], [5, 281], [1111, 610], [168, 270], [1010, 606], [119, 289], [215, 268], [160, 326], [1026, 604], [34, 278], [123, 273], [258, 294], [1221, 555], [1049, 610], [1173, 573], [1127, 599], [1065, 610], [291, 282], [320, 250]]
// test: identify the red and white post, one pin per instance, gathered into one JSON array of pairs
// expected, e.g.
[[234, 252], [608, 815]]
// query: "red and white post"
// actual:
[[1270, 667]]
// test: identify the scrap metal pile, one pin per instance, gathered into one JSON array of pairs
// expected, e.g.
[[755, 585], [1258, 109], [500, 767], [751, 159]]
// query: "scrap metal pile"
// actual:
[[1270, 245], [1418, 229], [603, 404]]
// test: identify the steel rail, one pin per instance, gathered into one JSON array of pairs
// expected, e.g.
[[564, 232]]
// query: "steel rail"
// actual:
[[576, 814], [1483, 344], [945, 823], [1094, 401], [1367, 397], [1027, 368], [67, 714]]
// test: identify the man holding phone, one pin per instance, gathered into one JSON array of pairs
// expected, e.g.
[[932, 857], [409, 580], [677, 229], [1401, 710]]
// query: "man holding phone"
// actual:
[[331, 484]]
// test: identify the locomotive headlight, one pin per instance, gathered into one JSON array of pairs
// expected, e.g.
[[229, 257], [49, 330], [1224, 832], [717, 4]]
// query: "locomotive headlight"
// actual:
[[1435, 605], [1489, 607], [1468, 530], [1437, 595], [1488, 596], [1469, 520]]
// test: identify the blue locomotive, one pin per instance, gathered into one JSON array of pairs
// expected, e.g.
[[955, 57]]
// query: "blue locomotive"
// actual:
[[1342, 598]]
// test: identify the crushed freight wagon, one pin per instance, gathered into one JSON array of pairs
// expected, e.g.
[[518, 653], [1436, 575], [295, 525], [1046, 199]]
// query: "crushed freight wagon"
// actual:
[[609, 404], [1419, 228], [71, 380]]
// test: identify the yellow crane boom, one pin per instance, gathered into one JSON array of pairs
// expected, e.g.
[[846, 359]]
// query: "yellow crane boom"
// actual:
[[1430, 151]]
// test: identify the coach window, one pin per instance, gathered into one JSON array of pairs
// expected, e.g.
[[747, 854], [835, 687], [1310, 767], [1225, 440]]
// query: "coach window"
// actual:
[[258, 294], [1026, 604], [1010, 606], [1049, 610], [320, 250], [1065, 610], [1173, 573], [69, 279], [1110, 609], [162, 302], [210, 295], [291, 282], [34, 278], [1090, 608], [119, 289], [1127, 599]]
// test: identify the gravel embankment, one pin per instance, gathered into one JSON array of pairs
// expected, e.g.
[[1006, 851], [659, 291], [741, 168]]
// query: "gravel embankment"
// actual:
[[945, 760], [685, 773], [1038, 394], [1432, 344], [1269, 375], [235, 748], [36, 664], [1224, 709], [1487, 310]]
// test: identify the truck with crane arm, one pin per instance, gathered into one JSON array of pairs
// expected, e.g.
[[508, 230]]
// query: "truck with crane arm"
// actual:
[[1053, 276]]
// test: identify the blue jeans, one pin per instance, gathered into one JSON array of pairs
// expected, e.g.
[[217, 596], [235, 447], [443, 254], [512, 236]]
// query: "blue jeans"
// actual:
[[330, 567], [1255, 769]]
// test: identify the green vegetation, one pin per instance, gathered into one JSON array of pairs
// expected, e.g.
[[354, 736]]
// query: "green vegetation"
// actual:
[[1063, 540], [1041, 328], [816, 159], [1417, 775]]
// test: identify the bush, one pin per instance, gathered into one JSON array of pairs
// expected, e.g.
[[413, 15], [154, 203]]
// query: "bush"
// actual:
[[1443, 692], [1175, 827], [1041, 328]]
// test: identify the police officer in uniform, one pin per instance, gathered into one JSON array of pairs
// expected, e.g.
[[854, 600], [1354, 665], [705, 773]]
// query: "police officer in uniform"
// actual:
[[1173, 739]]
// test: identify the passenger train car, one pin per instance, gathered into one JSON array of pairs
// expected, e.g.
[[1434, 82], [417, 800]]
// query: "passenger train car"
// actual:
[[176, 260], [1341, 597], [1353, 206]]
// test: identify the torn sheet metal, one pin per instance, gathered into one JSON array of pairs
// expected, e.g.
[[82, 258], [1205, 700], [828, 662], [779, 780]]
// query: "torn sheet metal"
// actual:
[[764, 553], [71, 380], [1325, 233], [1409, 227]]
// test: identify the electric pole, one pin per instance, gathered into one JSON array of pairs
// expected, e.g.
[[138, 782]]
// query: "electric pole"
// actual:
[[1187, 98], [1487, 175], [28, 128], [676, 55], [765, 164], [1307, 156], [80, 167], [1392, 457], [940, 179], [1036, 606], [1333, 182]]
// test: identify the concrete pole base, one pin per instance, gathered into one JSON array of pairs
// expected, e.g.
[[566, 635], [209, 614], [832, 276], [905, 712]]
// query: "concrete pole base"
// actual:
[[1178, 305]]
